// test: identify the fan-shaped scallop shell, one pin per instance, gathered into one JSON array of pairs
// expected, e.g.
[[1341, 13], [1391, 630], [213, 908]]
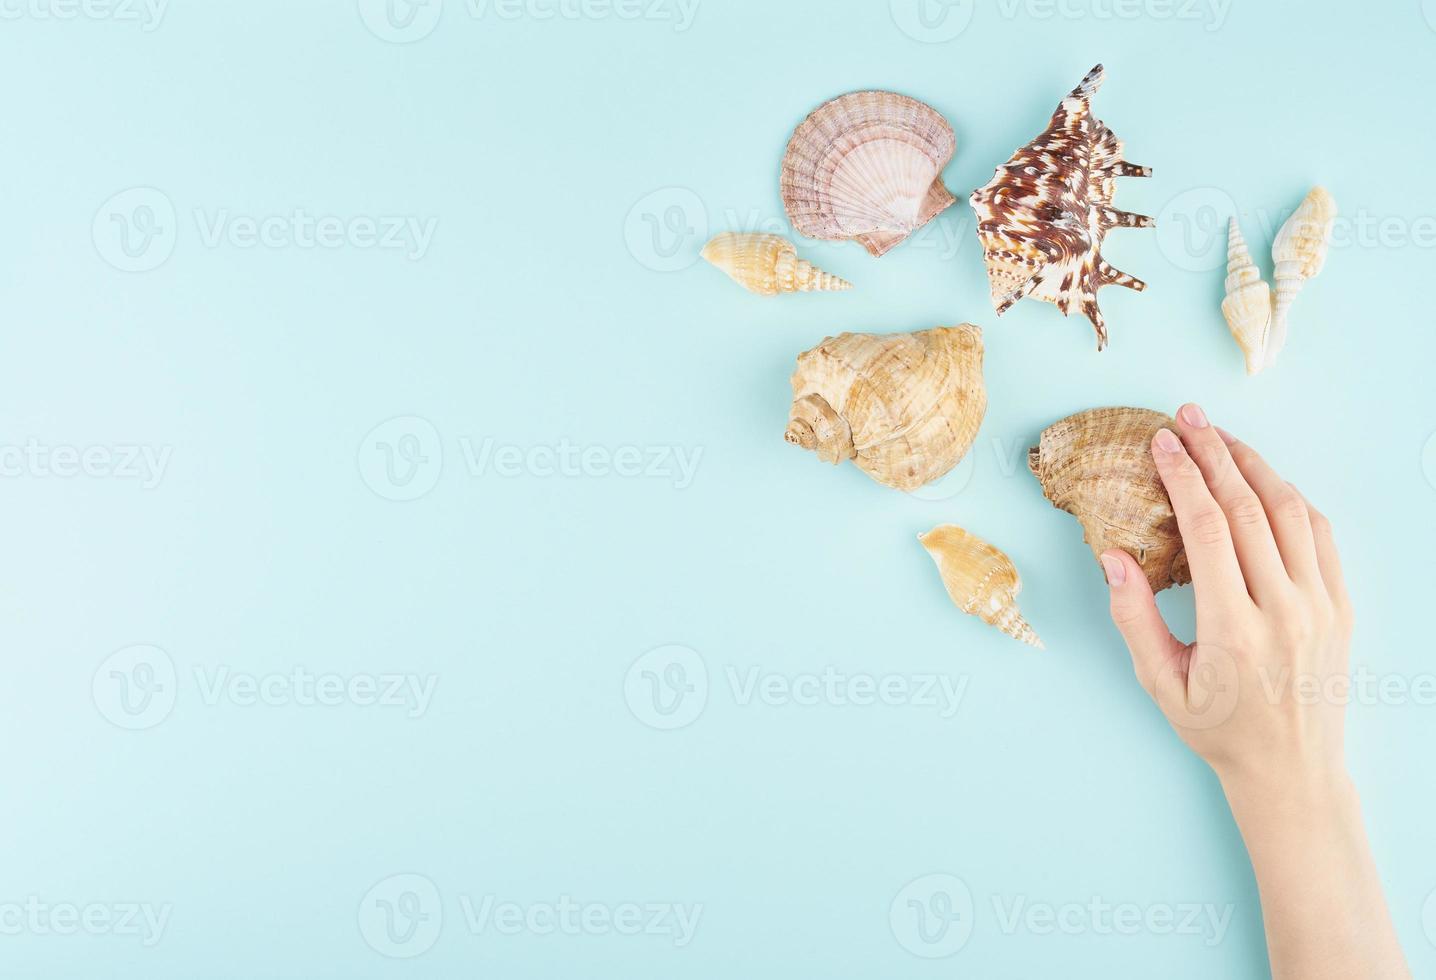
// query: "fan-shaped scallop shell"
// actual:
[[980, 579], [1043, 216], [1097, 465], [768, 265], [867, 166], [903, 407]]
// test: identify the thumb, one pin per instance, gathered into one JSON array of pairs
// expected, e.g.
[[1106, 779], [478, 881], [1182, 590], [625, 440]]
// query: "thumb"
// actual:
[[1134, 611]]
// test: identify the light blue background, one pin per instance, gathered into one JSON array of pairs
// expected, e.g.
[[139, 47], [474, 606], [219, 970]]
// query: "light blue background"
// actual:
[[544, 309]]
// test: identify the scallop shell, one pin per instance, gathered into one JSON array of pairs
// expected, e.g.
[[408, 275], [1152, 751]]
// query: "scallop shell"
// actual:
[[1299, 252], [1248, 303], [1043, 216], [1097, 465], [768, 265], [867, 166], [981, 580], [903, 407]]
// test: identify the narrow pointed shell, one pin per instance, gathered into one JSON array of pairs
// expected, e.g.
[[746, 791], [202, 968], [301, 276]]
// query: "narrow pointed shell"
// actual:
[[1299, 252], [1043, 216], [1097, 465], [1248, 303], [867, 166], [981, 580], [768, 265], [903, 407]]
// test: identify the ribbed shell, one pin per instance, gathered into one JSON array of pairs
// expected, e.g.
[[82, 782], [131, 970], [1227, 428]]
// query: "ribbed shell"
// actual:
[[1097, 465], [1043, 216], [867, 166], [1299, 252], [904, 407], [980, 579], [768, 265], [1248, 303]]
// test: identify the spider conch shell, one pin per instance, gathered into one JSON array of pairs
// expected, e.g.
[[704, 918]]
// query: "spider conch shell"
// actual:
[[903, 407], [1299, 252], [1248, 304], [1097, 465], [867, 166], [981, 580], [1043, 216], [768, 265]]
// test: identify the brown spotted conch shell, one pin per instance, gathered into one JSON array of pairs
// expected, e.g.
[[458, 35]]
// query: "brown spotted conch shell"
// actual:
[[903, 407], [867, 166], [768, 265], [1043, 216], [1097, 465], [1248, 302], [1299, 252], [981, 580]]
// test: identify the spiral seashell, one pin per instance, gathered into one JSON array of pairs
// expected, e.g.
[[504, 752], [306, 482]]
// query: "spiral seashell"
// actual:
[[768, 265], [981, 580], [867, 166], [1299, 252], [1043, 216], [1248, 304], [903, 407], [1097, 465]]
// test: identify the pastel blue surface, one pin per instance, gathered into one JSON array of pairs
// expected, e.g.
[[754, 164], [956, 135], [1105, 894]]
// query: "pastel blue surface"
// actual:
[[335, 550]]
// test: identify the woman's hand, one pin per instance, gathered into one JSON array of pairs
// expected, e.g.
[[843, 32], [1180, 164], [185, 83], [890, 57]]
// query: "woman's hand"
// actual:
[[1261, 694]]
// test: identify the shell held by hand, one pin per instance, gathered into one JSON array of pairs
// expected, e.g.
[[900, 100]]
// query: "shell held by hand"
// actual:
[[1043, 216], [980, 579], [768, 265], [1097, 465], [903, 407], [1248, 303], [867, 166]]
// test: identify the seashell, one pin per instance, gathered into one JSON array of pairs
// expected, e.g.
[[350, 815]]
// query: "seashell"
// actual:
[[1043, 216], [768, 265], [1299, 252], [903, 407], [867, 166], [1097, 465], [1249, 300], [981, 580]]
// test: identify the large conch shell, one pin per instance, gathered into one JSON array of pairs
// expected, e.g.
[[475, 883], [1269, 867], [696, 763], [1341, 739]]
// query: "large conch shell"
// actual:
[[1248, 304], [904, 407], [1299, 252], [1043, 216], [1097, 465], [768, 265], [981, 580], [867, 166]]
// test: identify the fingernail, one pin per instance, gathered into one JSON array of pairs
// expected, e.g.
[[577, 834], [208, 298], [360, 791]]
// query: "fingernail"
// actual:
[[1116, 571], [1167, 441], [1194, 416], [1227, 437]]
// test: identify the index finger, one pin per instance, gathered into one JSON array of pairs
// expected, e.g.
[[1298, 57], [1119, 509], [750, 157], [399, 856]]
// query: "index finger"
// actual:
[[1216, 574]]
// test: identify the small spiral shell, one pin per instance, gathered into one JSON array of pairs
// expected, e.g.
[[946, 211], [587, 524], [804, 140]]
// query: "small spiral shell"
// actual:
[[1248, 303], [768, 265], [980, 579]]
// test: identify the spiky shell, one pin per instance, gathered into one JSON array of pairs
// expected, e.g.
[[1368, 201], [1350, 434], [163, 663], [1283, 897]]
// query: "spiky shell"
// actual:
[[1248, 303], [1097, 465], [903, 407], [981, 580], [1043, 216], [1299, 252], [768, 265], [867, 166]]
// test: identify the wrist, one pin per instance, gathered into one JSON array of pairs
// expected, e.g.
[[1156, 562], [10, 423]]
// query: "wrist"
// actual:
[[1292, 799]]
